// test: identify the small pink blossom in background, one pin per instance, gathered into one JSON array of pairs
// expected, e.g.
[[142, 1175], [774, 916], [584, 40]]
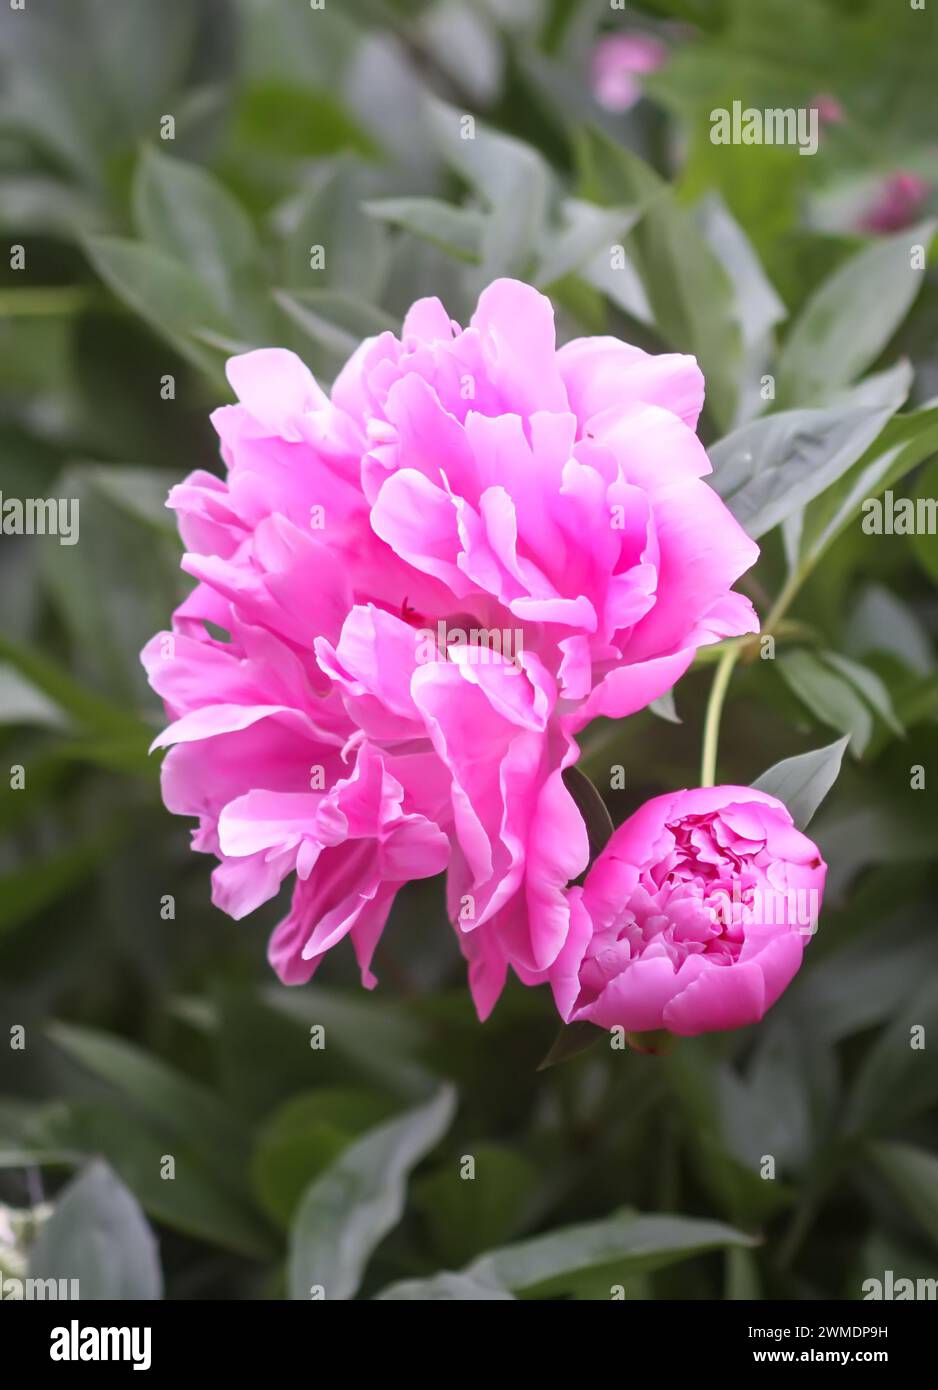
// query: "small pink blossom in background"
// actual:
[[829, 109], [693, 918], [897, 203], [455, 478], [618, 62]]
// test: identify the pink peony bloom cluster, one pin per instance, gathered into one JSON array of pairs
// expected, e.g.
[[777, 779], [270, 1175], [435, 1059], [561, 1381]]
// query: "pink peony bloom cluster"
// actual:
[[618, 63], [694, 917], [898, 200], [411, 595]]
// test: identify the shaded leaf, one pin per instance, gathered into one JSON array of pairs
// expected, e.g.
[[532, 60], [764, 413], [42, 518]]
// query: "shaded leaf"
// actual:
[[186, 213], [304, 1137], [592, 808], [897, 1079], [455, 230], [801, 783], [171, 299], [850, 319], [771, 467], [828, 696], [572, 1039], [913, 1175], [349, 1210], [445, 1288], [619, 1246], [98, 1235]]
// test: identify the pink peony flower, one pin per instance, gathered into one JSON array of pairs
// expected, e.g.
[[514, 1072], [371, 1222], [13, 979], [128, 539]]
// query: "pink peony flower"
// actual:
[[897, 203], [426, 585], [618, 61], [693, 918], [829, 110]]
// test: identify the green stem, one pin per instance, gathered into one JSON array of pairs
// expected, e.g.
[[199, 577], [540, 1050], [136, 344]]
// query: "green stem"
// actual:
[[721, 680], [788, 591], [43, 301]]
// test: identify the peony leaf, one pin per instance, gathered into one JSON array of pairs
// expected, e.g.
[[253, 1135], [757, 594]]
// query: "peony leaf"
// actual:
[[512, 178], [913, 1175], [98, 1235], [187, 214], [446, 1287], [801, 783], [870, 686], [348, 1210], [848, 321], [614, 1249], [829, 697], [592, 808], [897, 1081], [903, 443], [168, 296], [304, 1136], [688, 290], [455, 230], [767, 470], [570, 1042]]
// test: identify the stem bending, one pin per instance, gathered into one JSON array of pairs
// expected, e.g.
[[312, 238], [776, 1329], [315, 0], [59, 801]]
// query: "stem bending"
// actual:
[[721, 680]]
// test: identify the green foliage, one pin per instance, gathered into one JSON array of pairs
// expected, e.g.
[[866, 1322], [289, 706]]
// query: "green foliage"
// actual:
[[158, 1044]]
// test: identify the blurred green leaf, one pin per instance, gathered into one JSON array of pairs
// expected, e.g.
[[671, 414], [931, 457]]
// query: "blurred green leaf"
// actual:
[[613, 1249], [83, 705], [913, 1175], [897, 1079], [924, 544], [170, 298], [831, 698], [510, 176], [117, 586], [21, 702], [328, 241], [850, 319], [465, 1215], [571, 1041], [690, 294], [27, 890], [193, 1201], [903, 443], [444, 1288], [139, 492], [349, 1210], [165, 1096], [873, 690], [333, 322], [182, 211], [665, 708], [304, 1137], [292, 121], [582, 242], [98, 1235], [381, 1040], [456, 230]]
